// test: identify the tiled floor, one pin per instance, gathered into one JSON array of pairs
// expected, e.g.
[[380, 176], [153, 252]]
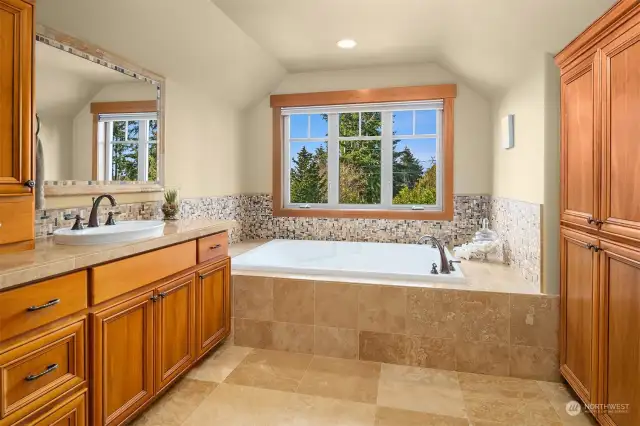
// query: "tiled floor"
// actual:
[[252, 387]]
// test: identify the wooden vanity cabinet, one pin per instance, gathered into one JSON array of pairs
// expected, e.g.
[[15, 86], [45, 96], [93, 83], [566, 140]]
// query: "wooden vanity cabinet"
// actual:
[[175, 332], [17, 37], [600, 177], [70, 413], [123, 356], [214, 306], [578, 313]]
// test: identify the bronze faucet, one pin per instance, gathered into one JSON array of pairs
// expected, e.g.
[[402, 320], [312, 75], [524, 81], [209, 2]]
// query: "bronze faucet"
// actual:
[[93, 217], [444, 265]]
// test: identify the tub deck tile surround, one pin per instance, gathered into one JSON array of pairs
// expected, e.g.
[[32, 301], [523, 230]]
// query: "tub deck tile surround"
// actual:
[[242, 386], [460, 329], [49, 259]]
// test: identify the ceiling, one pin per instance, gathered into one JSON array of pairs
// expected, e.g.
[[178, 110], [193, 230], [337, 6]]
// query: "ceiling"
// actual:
[[188, 41], [488, 42]]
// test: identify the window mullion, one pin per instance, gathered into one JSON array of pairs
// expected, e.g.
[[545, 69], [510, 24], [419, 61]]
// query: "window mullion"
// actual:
[[143, 150], [286, 177], [333, 161], [387, 159], [109, 160]]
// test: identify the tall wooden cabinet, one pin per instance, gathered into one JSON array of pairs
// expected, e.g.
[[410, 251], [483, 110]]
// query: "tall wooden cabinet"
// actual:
[[600, 215], [17, 37]]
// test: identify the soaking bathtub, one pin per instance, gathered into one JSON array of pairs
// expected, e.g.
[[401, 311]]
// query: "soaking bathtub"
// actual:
[[383, 261]]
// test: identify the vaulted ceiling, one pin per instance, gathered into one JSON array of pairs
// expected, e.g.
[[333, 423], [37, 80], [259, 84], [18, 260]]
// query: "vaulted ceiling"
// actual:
[[190, 41], [488, 42]]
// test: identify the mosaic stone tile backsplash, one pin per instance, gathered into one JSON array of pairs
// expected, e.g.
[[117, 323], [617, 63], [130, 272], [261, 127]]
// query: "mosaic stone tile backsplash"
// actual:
[[517, 223]]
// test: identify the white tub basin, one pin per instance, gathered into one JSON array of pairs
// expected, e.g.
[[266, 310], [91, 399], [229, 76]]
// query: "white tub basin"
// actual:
[[118, 233]]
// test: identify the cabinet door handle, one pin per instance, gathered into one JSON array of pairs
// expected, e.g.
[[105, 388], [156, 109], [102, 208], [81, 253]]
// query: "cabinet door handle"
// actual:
[[590, 220], [46, 305], [49, 369], [217, 246], [154, 298], [593, 247], [162, 295]]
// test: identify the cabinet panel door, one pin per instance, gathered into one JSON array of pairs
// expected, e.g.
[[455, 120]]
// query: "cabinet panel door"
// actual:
[[123, 359], [213, 311], [620, 334], [580, 142], [16, 64], [175, 329], [579, 295], [72, 413], [621, 143]]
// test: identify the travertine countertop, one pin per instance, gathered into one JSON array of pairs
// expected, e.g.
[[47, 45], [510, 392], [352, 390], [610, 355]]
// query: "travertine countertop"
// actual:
[[49, 259]]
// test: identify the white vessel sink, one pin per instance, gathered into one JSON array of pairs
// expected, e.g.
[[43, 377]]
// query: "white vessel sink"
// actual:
[[119, 233]]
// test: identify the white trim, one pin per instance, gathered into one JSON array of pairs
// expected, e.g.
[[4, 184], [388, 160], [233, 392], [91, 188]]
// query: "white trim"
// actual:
[[386, 159], [389, 106], [134, 116], [333, 161]]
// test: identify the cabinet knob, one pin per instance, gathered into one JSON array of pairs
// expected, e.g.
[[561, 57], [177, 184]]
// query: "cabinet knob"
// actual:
[[30, 183]]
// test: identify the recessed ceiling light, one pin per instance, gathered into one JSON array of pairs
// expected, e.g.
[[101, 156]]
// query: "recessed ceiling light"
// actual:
[[347, 44]]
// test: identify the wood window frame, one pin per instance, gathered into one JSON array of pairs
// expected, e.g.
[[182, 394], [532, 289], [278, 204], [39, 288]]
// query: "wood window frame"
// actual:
[[444, 92], [117, 107]]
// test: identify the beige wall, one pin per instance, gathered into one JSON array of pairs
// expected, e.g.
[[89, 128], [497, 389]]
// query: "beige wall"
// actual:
[[473, 133], [518, 172], [531, 170], [56, 134], [203, 149]]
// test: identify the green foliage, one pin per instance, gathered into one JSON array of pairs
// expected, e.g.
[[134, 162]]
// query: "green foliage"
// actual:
[[171, 196], [360, 169], [125, 156]]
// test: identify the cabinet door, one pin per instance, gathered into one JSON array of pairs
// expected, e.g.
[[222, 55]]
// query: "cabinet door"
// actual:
[[578, 314], [175, 329], [580, 144], [213, 311], [123, 359], [620, 334], [16, 66], [72, 413], [621, 144]]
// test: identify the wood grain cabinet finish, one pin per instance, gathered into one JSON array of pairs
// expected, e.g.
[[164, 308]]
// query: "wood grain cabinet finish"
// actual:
[[175, 331], [36, 372], [600, 162], [17, 36], [213, 305], [620, 334], [123, 355], [580, 144], [578, 329], [620, 202], [70, 413]]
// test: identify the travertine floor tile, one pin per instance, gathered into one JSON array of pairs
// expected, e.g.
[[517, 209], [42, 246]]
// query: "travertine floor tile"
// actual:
[[217, 366], [177, 404], [342, 379], [386, 416], [421, 389], [271, 370], [559, 395], [510, 411], [499, 386], [248, 406]]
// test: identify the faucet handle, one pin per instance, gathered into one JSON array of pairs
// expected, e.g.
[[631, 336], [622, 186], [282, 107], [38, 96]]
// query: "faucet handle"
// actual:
[[77, 225], [434, 269], [110, 219]]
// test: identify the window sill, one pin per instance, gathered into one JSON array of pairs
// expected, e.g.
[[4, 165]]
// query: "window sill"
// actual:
[[446, 215]]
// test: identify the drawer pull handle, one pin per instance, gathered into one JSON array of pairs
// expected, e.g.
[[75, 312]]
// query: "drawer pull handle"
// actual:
[[46, 305], [49, 369], [217, 246]]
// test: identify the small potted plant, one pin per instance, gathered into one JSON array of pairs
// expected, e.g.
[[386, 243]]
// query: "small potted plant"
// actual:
[[171, 207]]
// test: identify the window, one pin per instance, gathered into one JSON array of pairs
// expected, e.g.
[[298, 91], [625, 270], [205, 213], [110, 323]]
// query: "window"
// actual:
[[387, 158], [131, 146]]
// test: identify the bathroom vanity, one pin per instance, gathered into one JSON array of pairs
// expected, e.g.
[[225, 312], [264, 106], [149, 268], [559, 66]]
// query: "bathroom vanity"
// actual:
[[92, 335]]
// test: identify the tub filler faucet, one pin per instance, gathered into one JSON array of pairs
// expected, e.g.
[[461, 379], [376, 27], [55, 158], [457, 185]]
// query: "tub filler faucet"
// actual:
[[444, 265]]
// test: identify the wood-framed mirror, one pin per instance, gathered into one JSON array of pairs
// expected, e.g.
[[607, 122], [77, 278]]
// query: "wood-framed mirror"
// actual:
[[99, 120]]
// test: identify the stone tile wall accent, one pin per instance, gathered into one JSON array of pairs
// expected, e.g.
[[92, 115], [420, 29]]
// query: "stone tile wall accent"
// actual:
[[254, 213], [519, 225], [461, 330], [48, 221]]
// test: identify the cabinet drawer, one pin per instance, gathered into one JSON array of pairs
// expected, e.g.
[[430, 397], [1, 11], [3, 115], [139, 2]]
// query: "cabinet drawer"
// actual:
[[16, 219], [40, 370], [120, 277], [212, 247], [70, 413], [29, 307]]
